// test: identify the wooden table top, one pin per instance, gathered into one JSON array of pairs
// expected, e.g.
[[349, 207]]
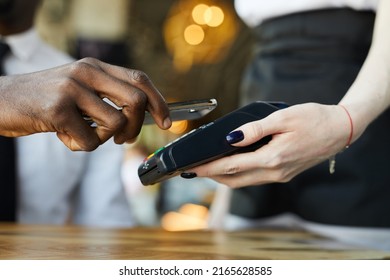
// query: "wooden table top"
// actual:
[[30, 242]]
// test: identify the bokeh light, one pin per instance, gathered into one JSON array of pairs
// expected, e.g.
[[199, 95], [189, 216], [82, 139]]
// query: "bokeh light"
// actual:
[[194, 34], [188, 217], [198, 13], [199, 32], [179, 127], [214, 16]]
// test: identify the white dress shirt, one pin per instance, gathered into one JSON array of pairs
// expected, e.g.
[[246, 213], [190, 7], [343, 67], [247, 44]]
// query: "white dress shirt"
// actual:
[[253, 12], [57, 185]]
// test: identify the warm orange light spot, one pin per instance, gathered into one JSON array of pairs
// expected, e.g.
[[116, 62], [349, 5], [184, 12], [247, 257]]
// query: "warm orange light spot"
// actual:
[[198, 13], [179, 127], [199, 32], [194, 210], [194, 34], [214, 16], [189, 217]]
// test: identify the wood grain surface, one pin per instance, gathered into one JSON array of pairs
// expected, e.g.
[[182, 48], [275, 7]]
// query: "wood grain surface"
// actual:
[[31, 242]]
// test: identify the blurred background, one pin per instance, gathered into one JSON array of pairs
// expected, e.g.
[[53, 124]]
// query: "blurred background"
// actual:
[[190, 49]]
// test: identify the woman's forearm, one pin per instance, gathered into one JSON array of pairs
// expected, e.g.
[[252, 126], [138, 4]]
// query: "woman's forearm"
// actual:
[[369, 95]]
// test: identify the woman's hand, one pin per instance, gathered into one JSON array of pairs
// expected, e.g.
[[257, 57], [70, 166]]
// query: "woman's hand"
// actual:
[[302, 136]]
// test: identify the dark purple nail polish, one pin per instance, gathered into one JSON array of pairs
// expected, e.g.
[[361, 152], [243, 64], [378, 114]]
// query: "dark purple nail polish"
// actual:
[[188, 175], [235, 137]]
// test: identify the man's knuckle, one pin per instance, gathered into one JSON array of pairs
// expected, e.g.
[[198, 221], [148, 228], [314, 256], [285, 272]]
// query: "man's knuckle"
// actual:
[[90, 145], [118, 121], [87, 60], [139, 97], [139, 76], [81, 67], [135, 99]]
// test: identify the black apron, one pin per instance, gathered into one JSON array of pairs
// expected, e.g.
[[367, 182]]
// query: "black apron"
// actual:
[[314, 57]]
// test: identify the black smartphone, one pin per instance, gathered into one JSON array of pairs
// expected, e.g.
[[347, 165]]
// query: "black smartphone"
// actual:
[[184, 110], [204, 144]]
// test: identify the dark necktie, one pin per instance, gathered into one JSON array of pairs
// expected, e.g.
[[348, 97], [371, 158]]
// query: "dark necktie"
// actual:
[[7, 166]]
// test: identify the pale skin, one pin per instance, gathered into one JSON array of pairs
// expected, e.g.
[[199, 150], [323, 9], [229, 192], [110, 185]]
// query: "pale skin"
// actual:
[[307, 134], [55, 100]]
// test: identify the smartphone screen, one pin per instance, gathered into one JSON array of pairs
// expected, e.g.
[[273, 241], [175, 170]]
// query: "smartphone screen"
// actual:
[[185, 110]]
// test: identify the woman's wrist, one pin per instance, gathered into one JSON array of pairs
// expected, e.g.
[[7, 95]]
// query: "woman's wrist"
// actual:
[[351, 129]]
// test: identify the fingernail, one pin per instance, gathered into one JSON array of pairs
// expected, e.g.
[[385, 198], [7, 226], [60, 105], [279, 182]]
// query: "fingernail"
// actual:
[[167, 123], [235, 137], [188, 175]]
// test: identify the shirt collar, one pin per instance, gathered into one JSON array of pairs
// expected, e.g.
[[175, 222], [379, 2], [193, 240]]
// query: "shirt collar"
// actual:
[[23, 45]]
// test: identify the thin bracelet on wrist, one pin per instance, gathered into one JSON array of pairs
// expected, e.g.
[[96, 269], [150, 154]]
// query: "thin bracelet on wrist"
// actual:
[[350, 124], [332, 159]]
